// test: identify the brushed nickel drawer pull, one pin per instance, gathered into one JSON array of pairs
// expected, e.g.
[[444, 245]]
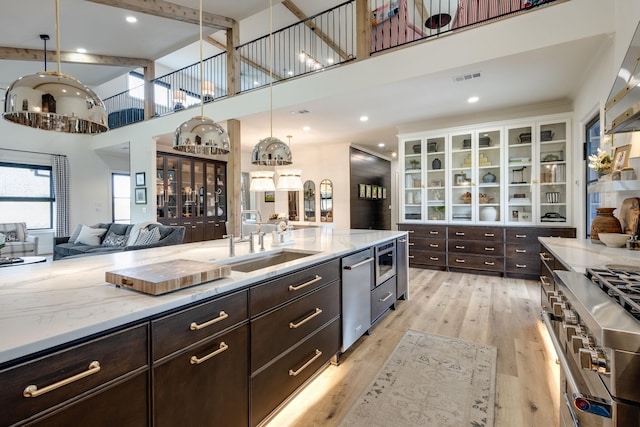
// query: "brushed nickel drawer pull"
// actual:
[[303, 367], [544, 256], [460, 260], [521, 265], [434, 258], [521, 251], [305, 284], [402, 240], [434, 245], [358, 264], [521, 236], [434, 232], [385, 298], [489, 249], [316, 312], [410, 231], [459, 247], [544, 281], [489, 235], [195, 327], [489, 263], [32, 390], [411, 244], [459, 233], [411, 256], [195, 361]]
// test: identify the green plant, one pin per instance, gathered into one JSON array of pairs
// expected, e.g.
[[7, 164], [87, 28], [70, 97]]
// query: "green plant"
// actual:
[[601, 161]]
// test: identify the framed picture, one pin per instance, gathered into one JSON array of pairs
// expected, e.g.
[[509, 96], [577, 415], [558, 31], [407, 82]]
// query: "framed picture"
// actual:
[[374, 191], [269, 196], [515, 214], [460, 178], [140, 181], [368, 191], [621, 157], [141, 196], [362, 191], [384, 192]]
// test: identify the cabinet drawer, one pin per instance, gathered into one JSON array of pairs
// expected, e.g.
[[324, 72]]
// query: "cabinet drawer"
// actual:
[[213, 392], [428, 244], [517, 250], [179, 330], [278, 291], [273, 385], [280, 329], [493, 234], [424, 230], [476, 262], [117, 354], [383, 297], [522, 235], [529, 264], [438, 259], [476, 247]]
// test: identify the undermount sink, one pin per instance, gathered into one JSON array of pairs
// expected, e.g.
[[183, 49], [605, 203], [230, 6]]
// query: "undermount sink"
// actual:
[[268, 259]]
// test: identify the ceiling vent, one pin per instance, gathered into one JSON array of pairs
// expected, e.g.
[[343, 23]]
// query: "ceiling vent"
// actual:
[[466, 77], [303, 111]]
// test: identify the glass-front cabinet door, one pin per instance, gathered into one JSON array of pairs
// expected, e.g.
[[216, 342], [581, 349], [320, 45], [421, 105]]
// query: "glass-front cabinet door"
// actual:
[[461, 177], [413, 167], [552, 159], [436, 178], [489, 175], [519, 156]]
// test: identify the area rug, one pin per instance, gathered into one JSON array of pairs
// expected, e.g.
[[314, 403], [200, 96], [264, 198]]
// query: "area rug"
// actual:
[[430, 380]]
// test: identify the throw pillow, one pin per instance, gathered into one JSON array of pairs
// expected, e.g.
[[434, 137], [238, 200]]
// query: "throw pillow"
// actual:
[[147, 237], [114, 239], [11, 236], [75, 234], [90, 236]]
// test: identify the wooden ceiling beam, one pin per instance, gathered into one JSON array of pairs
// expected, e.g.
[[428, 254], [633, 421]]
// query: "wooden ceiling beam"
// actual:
[[165, 9], [17, 54]]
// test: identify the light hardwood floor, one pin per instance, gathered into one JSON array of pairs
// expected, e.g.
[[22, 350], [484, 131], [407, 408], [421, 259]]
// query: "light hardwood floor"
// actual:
[[503, 312]]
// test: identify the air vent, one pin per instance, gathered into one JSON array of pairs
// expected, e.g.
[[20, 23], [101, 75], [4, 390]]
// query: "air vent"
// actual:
[[466, 77]]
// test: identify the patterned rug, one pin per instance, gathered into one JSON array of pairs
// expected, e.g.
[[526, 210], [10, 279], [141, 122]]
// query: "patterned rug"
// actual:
[[430, 380]]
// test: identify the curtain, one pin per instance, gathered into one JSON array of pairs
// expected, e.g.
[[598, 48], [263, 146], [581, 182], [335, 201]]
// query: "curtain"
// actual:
[[60, 169]]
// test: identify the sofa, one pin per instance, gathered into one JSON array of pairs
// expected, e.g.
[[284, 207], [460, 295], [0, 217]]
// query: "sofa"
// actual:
[[111, 237], [17, 241]]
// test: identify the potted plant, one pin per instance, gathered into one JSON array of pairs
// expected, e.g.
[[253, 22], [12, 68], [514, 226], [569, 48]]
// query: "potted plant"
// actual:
[[600, 162]]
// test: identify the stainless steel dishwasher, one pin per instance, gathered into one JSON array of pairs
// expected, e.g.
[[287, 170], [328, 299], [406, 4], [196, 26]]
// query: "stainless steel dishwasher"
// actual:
[[357, 278]]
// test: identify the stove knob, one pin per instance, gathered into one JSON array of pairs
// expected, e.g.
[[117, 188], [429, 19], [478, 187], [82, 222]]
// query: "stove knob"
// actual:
[[572, 330], [558, 308], [570, 317], [581, 341], [593, 359]]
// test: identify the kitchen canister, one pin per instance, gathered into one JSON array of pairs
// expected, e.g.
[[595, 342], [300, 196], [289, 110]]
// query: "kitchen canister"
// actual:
[[604, 222]]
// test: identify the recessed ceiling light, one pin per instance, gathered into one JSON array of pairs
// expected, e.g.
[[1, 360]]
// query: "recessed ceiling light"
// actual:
[[256, 83], [381, 144], [131, 19], [330, 61], [473, 99], [306, 128], [364, 118], [81, 50], [393, 154], [290, 73]]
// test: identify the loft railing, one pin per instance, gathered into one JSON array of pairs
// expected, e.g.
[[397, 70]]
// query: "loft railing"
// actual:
[[319, 42]]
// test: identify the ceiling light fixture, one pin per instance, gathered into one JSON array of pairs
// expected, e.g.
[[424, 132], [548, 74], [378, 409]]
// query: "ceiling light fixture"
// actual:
[[473, 99], [131, 19], [81, 50], [50, 100], [200, 134], [364, 118], [270, 151], [289, 179]]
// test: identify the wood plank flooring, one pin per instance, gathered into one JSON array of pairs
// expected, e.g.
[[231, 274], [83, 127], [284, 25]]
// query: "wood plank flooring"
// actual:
[[503, 312]]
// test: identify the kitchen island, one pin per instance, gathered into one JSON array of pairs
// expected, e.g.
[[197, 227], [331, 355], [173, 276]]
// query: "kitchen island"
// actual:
[[579, 254], [143, 347]]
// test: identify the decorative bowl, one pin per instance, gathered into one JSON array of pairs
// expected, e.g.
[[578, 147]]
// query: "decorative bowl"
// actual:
[[614, 240]]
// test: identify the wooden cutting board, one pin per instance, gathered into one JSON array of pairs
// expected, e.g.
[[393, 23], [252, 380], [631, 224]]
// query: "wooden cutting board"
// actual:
[[630, 215], [160, 278]]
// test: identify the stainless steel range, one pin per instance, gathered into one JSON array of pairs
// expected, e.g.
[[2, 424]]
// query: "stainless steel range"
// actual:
[[594, 323]]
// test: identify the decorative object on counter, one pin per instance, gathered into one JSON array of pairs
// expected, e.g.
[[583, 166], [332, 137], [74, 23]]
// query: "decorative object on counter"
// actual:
[[633, 243], [630, 215], [621, 157], [489, 178], [436, 164], [613, 240], [600, 162], [458, 372], [488, 213], [627, 174], [604, 222]]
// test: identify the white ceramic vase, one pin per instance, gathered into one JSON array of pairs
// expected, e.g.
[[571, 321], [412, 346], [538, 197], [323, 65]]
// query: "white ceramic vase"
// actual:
[[488, 213]]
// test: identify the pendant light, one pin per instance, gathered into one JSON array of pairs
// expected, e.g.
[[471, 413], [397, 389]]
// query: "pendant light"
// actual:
[[200, 134], [289, 179], [51, 100], [269, 151]]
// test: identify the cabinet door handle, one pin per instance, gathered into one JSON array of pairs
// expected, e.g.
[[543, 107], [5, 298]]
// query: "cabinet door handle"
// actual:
[[544, 256], [358, 264], [385, 298], [411, 257], [459, 233], [303, 367], [32, 390], [411, 231], [434, 245], [402, 240], [434, 258], [195, 327], [489, 263], [489, 249], [460, 260], [434, 232], [521, 265], [317, 312], [521, 236], [489, 235], [459, 246], [305, 284], [521, 251], [411, 244], [223, 347]]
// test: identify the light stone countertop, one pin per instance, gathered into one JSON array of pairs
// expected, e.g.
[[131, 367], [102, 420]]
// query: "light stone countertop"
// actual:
[[49, 304], [578, 254]]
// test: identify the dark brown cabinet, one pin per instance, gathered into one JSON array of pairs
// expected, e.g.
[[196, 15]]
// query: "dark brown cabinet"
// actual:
[[427, 245], [476, 248], [192, 192], [523, 249]]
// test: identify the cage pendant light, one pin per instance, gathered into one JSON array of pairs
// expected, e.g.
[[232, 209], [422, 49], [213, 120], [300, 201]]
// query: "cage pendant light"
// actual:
[[51, 100], [200, 134]]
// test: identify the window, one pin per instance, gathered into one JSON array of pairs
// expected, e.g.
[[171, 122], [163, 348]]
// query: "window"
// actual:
[[160, 90], [121, 197], [592, 131], [26, 194]]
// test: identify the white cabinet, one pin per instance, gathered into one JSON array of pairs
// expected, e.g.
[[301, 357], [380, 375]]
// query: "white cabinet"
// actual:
[[511, 173]]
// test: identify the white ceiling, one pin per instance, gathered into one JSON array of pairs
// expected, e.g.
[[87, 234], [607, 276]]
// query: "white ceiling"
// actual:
[[507, 82]]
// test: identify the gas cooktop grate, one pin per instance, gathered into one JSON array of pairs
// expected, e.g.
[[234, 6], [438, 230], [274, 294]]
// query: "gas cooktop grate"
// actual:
[[623, 286]]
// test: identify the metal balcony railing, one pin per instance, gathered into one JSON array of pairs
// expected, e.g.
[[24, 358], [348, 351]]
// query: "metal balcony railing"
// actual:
[[317, 43]]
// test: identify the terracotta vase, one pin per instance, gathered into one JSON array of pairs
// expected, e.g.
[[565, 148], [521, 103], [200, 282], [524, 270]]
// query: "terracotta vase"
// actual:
[[604, 222]]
